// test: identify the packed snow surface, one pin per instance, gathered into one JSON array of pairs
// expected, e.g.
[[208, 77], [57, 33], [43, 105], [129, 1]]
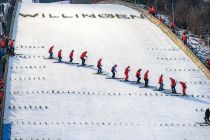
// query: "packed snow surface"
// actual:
[[27, 1], [50, 100]]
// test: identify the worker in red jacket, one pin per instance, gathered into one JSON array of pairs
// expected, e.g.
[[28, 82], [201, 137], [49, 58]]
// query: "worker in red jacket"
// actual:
[[11, 47], [51, 52], [208, 64], [59, 55], [11, 43], [161, 19], [153, 11], [71, 55], [184, 86], [2, 43], [146, 78], [184, 38], [2, 84], [83, 57], [150, 10], [99, 66], [173, 85], [138, 75], [127, 69], [6, 41], [161, 82], [1, 96], [173, 26]]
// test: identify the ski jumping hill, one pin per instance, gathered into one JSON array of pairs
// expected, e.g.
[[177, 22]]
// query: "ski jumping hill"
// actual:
[[47, 100]]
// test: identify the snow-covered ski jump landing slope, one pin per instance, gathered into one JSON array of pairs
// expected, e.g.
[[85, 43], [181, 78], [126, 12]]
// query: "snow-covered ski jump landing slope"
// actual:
[[47, 100]]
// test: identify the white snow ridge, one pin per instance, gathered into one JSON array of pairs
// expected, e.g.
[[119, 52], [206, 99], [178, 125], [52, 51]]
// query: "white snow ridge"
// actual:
[[47, 100]]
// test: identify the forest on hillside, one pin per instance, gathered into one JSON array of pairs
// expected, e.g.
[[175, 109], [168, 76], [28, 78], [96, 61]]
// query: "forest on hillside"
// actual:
[[189, 14]]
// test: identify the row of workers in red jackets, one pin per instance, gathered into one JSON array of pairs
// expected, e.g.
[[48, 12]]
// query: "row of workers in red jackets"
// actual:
[[160, 81], [5, 41], [83, 57]]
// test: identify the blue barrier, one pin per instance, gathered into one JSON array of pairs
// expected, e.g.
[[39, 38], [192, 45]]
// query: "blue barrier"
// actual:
[[6, 133]]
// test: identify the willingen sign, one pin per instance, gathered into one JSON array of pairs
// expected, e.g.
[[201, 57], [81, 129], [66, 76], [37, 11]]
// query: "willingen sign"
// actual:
[[106, 16]]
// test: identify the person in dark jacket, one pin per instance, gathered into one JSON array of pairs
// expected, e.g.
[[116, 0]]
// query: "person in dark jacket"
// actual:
[[113, 70], [207, 114], [2, 8]]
